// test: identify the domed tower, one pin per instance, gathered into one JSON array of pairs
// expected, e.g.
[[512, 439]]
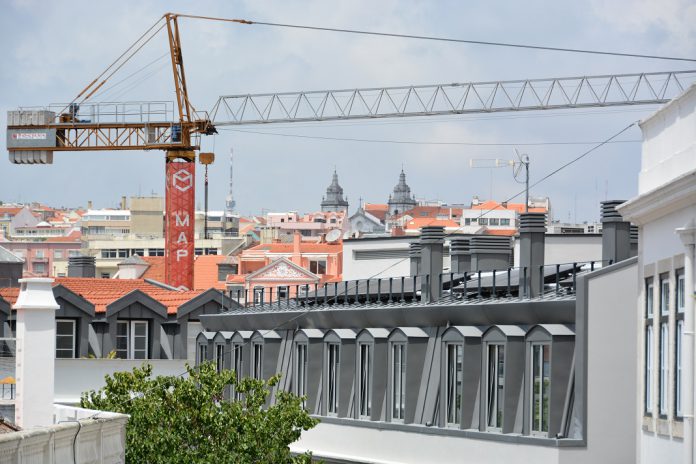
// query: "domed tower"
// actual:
[[401, 200], [334, 201]]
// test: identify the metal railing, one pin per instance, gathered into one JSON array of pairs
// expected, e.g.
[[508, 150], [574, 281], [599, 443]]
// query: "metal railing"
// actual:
[[554, 280]]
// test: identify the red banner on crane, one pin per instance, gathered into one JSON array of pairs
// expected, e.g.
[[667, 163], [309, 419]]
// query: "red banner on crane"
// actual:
[[179, 223]]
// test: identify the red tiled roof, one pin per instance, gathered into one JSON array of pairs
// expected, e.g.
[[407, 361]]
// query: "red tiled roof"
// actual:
[[205, 272], [156, 271], [103, 292], [377, 210], [74, 236], [417, 223], [519, 207], [10, 294], [503, 232]]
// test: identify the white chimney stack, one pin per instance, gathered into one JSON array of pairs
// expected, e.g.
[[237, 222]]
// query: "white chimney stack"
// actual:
[[36, 352]]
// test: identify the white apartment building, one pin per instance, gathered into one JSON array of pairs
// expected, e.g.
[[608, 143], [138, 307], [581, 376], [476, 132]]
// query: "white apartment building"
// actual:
[[665, 211]]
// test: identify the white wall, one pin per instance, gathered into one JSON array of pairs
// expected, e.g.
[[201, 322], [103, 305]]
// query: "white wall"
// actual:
[[367, 445], [75, 376], [560, 248], [669, 142], [362, 269]]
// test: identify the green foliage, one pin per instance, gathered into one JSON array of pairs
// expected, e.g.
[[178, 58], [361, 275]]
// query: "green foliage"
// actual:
[[188, 420]]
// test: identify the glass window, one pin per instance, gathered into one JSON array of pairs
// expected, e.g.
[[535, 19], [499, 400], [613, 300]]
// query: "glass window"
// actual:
[[494, 221], [649, 298], [664, 296], [317, 267], [123, 252], [259, 295], [300, 383], [132, 339], [483, 221], [467, 221], [505, 222], [237, 365], [453, 382], [202, 353], [333, 373], [58, 254], [219, 357], [680, 291], [39, 268], [39, 254], [65, 338], [496, 385], [664, 333], [540, 388], [283, 291], [678, 369], [257, 361], [648, 368], [398, 381], [365, 377]]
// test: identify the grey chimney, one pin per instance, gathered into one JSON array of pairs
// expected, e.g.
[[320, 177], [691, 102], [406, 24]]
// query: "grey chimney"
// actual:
[[489, 252], [634, 241], [82, 266], [532, 242], [414, 254], [460, 255], [616, 233], [432, 242]]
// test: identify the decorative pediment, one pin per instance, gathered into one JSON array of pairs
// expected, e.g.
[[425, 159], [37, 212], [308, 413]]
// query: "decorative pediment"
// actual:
[[282, 270]]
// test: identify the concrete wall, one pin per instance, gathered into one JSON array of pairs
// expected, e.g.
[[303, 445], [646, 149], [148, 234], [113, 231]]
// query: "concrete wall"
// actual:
[[75, 376]]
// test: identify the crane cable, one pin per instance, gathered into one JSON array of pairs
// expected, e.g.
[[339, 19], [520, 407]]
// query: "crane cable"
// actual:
[[441, 39]]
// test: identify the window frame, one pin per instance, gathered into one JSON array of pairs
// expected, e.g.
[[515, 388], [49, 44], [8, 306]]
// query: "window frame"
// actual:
[[397, 394], [680, 300], [73, 336], [453, 384], [257, 360], [300, 366], [131, 336], [663, 348], [365, 356], [499, 389], [202, 353], [536, 416], [219, 357], [333, 351], [649, 353]]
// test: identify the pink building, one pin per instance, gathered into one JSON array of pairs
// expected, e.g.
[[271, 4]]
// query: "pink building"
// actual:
[[47, 258]]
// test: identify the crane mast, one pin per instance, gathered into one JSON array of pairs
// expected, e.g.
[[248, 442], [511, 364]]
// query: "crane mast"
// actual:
[[34, 135]]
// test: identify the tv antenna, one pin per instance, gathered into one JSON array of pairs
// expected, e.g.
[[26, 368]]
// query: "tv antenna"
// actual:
[[517, 165]]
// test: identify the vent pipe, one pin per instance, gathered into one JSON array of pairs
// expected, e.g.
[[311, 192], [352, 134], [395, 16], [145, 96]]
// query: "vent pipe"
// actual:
[[532, 242], [432, 241], [616, 233], [82, 266], [490, 252], [414, 254], [460, 255]]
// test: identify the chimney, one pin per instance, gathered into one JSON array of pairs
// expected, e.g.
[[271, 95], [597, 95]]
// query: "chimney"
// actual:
[[414, 253], [296, 254], [123, 202], [82, 266], [432, 241], [89, 204], [616, 233], [460, 256], [634, 241], [36, 353], [489, 252], [532, 237]]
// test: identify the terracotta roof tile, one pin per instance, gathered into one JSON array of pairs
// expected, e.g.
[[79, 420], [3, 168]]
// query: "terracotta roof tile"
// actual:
[[519, 207], [9, 294], [304, 248], [156, 269], [417, 223]]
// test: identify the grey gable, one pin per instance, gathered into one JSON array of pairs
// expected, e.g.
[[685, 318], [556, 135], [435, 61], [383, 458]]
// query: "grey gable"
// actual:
[[64, 293], [214, 295], [137, 296]]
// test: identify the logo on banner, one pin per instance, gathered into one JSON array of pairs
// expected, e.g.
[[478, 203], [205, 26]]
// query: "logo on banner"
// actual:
[[182, 180]]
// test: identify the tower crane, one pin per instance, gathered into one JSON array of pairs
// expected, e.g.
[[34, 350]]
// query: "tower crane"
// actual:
[[33, 136]]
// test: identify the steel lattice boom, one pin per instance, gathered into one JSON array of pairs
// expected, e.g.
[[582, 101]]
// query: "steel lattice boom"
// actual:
[[443, 99]]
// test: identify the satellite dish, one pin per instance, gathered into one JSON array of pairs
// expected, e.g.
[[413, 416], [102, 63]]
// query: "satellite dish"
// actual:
[[333, 236]]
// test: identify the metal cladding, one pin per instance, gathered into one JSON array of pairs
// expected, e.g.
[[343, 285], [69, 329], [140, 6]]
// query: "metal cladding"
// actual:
[[532, 222], [634, 241], [179, 225], [609, 212], [490, 252], [28, 144], [82, 266], [460, 246], [432, 235], [414, 250]]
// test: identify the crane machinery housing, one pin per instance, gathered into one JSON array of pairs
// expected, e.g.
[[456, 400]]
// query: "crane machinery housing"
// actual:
[[33, 136]]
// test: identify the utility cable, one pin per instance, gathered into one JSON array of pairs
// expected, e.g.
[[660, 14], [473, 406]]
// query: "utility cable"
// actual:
[[442, 39], [413, 142], [307, 311]]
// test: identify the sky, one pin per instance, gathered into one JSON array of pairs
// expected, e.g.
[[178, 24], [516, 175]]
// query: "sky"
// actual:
[[51, 50]]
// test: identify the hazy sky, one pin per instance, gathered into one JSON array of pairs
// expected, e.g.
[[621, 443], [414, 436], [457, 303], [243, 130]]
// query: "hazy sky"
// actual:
[[51, 50]]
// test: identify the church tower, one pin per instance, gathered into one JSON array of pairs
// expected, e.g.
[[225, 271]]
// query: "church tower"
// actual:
[[401, 199], [334, 201]]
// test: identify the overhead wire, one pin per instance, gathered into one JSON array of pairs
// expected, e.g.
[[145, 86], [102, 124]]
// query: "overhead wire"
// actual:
[[441, 39], [131, 75], [355, 287], [414, 142]]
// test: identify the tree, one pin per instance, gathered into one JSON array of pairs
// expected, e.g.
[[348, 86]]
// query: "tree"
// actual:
[[176, 419]]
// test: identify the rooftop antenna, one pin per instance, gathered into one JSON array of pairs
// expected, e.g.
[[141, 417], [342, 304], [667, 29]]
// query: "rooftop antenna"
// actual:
[[522, 161]]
